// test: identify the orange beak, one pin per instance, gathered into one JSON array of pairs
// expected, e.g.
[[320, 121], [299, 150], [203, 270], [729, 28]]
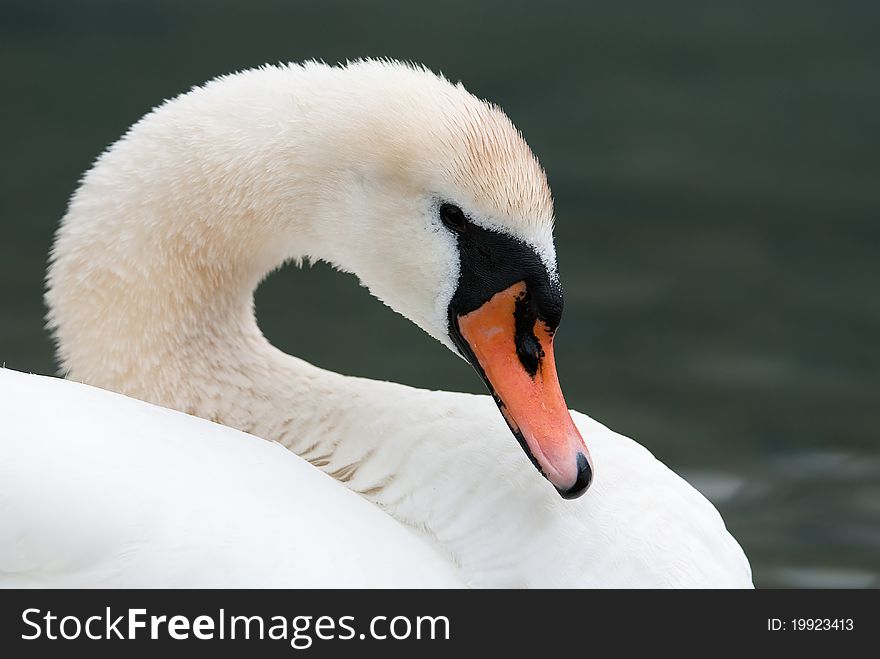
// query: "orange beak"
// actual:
[[513, 349]]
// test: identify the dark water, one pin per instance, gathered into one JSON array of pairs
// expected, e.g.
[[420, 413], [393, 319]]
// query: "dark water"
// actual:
[[717, 176]]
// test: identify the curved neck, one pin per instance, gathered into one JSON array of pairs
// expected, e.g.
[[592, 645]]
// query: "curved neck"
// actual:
[[151, 294], [150, 288]]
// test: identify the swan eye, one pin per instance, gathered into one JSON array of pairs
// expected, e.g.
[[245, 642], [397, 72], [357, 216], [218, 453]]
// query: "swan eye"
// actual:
[[453, 217]]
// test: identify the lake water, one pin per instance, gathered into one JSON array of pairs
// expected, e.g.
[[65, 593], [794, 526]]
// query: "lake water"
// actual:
[[716, 179]]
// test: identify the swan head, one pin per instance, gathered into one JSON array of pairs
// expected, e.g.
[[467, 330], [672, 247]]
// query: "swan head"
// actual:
[[454, 229]]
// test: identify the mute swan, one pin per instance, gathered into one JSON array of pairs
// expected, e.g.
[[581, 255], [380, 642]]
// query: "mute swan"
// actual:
[[433, 199]]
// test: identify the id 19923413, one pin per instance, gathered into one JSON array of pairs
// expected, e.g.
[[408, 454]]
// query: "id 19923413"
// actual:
[[810, 625]]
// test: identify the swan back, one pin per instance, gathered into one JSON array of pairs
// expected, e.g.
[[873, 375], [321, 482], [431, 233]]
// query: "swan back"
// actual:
[[142, 496]]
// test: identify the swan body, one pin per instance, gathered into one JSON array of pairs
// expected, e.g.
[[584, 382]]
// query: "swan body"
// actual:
[[102, 489], [159, 498], [150, 292]]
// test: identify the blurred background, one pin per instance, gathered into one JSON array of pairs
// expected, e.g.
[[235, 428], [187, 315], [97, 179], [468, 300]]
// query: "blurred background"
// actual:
[[716, 169]]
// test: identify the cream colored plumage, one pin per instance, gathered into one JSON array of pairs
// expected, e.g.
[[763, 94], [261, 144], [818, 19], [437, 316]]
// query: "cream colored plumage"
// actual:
[[150, 294]]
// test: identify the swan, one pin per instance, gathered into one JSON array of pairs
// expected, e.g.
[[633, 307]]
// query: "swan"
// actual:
[[149, 464]]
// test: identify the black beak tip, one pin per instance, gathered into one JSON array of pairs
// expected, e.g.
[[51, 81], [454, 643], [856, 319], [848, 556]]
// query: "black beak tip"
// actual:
[[582, 483]]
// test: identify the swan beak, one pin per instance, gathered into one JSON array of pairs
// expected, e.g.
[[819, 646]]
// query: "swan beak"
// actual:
[[512, 348]]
